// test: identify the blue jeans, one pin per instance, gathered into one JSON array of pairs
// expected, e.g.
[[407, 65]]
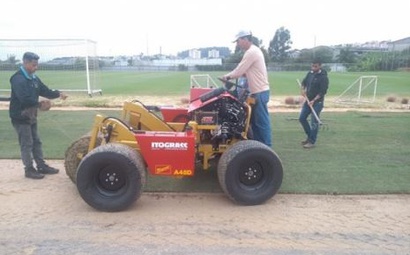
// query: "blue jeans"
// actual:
[[30, 144], [260, 119], [312, 129]]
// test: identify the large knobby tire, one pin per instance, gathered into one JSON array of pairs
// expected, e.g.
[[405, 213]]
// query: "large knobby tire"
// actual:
[[74, 154], [250, 172], [111, 177]]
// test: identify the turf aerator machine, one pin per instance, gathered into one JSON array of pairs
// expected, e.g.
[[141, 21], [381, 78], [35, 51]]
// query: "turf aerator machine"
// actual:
[[110, 165]]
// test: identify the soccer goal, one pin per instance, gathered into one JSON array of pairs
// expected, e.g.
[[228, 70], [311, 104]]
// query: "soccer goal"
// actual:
[[69, 65], [362, 90], [202, 81]]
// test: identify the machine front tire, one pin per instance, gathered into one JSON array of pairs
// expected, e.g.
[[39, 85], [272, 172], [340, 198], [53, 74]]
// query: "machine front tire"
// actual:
[[111, 177], [75, 153], [250, 172]]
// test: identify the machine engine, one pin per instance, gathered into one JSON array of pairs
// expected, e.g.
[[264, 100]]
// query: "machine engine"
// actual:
[[227, 113]]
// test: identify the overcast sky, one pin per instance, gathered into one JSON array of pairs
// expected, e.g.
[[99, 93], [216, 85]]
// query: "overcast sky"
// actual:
[[134, 27]]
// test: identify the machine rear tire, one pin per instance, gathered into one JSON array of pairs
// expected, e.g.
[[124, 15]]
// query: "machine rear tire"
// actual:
[[111, 177], [250, 172], [74, 154]]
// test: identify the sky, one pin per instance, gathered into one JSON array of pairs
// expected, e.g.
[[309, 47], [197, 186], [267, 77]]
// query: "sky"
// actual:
[[130, 27]]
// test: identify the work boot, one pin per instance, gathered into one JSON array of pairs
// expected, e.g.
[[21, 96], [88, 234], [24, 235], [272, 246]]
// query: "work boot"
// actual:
[[309, 145], [31, 172], [304, 142], [45, 169]]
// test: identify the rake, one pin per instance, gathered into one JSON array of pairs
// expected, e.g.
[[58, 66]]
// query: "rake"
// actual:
[[321, 124]]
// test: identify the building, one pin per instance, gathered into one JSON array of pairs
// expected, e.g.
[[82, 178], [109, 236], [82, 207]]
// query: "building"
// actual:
[[400, 45], [213, 53], [190, 62], [194, 54]]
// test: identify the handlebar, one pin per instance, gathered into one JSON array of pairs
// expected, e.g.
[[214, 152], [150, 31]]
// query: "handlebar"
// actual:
[[229, 84]]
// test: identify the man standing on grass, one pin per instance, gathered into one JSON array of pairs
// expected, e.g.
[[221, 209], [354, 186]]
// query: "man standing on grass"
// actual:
[[314, 88], [26, 88]]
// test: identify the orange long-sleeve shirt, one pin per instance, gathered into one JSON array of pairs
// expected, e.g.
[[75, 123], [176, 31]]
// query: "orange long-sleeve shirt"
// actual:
[[253, 66]]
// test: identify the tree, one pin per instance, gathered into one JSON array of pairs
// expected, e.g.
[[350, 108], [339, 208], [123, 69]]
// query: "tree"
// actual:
[[12, 59], [324, 53], [382, 61], [280, 45], [347, 56], [265, 54], [130, 62]]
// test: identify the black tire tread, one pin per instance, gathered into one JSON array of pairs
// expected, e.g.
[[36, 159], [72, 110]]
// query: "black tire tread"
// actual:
[[229, 155], [131, 158]]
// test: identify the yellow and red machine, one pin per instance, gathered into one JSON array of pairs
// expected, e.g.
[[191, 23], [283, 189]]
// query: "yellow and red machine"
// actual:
[[109, 166]]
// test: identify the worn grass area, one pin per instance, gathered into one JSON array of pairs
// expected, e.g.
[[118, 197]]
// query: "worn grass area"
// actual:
[[359, 153]]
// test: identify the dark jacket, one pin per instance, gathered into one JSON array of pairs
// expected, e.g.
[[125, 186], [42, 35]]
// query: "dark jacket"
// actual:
[[25, 91], [316, 84]]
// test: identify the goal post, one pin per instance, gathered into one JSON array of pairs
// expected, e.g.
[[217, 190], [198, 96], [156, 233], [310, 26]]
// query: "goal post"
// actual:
[[69, 65], [202, 80], [362, 90]]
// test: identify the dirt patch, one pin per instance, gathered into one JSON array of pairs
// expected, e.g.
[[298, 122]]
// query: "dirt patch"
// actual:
[[49, 217], [276, 104]]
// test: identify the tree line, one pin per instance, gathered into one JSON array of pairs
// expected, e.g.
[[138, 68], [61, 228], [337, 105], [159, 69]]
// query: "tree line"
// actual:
[[280, 52]]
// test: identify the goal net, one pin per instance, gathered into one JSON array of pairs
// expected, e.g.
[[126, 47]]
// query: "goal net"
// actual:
[[64, 64], [362, 90]]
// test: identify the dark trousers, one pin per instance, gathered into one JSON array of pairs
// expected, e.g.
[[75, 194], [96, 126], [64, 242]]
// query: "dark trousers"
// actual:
[[30, 144], [311, 129]]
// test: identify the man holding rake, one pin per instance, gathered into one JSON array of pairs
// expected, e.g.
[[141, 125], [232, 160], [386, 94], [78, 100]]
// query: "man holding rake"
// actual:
[[313, 88]]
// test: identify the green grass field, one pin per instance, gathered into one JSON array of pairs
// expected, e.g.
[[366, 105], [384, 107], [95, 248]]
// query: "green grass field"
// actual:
[[177, 83], [361, 153]]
